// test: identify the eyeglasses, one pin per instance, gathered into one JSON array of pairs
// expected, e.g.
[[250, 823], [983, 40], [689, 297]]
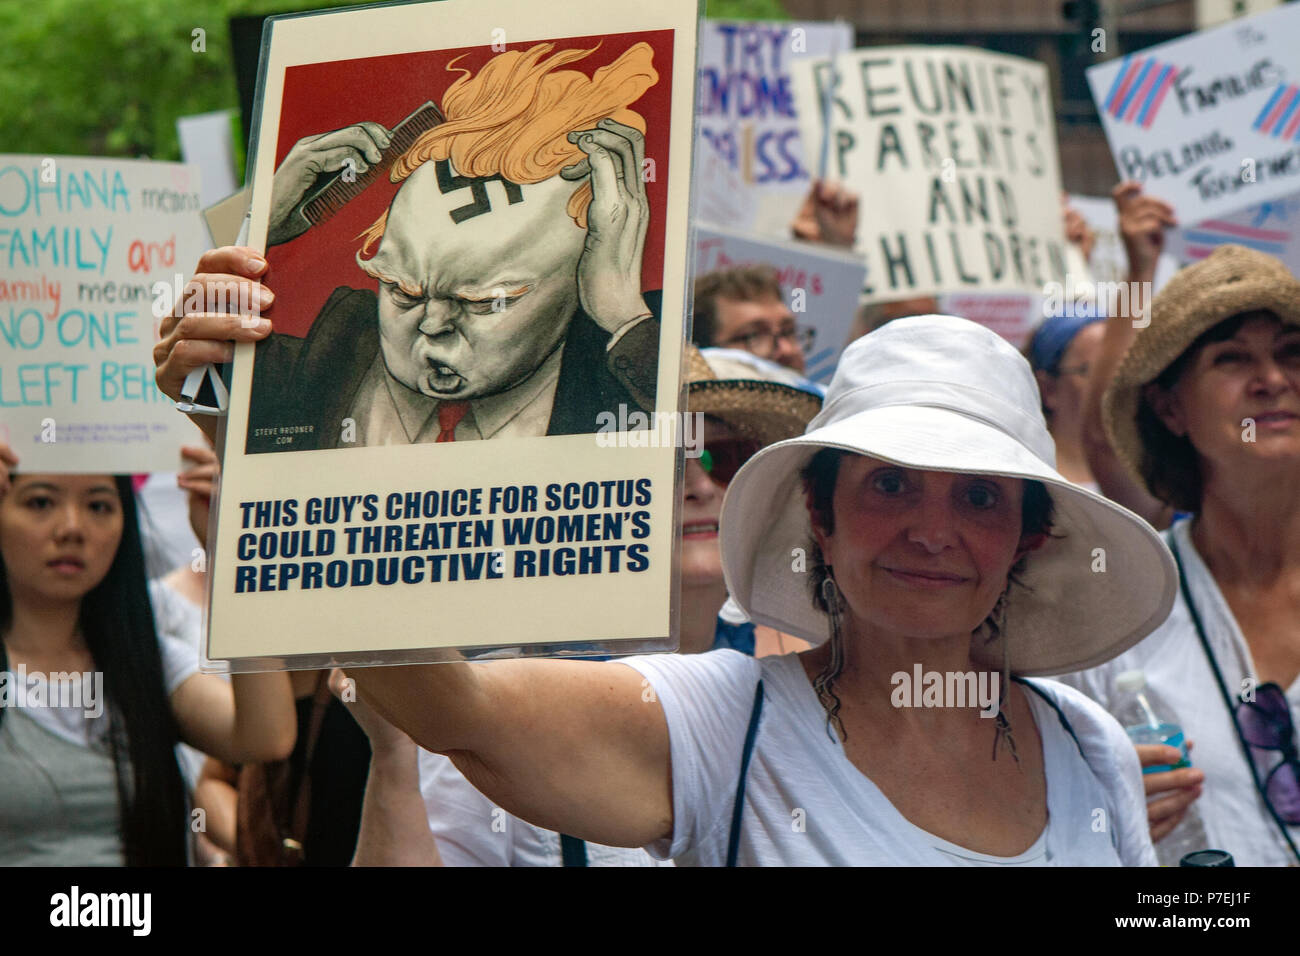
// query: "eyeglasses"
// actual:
[[722, 459], [763, 341], [1266, 723]]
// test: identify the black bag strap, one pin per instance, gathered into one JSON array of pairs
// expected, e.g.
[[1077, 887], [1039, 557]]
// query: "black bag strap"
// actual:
[[1227, 698], [733, 840], [1060, 714], [573, 852], [300, 798]]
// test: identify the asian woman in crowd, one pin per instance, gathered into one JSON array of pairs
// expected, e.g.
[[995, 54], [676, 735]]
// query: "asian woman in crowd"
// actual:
[[92, 778]]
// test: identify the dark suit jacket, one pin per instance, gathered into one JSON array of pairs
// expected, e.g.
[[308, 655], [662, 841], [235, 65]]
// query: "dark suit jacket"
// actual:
[[303, 388]]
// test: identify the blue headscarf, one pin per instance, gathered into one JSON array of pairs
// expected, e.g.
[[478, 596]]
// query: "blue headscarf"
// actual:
[[1054, 336]]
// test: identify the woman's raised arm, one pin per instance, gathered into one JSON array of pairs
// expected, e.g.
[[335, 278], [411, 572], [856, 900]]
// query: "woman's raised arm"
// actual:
[[250, 718], [1142, 221], [574, 746]]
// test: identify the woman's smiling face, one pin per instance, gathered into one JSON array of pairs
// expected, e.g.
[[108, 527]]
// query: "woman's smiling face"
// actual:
[[1238, 398], [920, 553]]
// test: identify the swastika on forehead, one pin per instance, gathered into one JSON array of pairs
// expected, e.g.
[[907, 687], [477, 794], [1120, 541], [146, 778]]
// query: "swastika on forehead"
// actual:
[[477, 185]]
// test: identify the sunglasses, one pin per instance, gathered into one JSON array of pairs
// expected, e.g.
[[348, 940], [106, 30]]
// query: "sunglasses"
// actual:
[[722, 459], [1266, 723]]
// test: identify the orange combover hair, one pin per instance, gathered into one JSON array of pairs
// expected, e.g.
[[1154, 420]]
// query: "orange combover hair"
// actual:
[[513, 118]]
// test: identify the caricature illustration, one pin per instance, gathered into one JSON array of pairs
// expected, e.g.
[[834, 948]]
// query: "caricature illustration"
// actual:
[[507, 299]]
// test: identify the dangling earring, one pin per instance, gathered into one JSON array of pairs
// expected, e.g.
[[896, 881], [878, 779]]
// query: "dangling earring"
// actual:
[[1002, 735], [825, 681]]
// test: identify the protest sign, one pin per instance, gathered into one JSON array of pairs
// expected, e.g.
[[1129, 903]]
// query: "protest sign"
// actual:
[[747, 113], [1012, 315], [1108, 262], [954, 154], [208, 141], [1272, 227], [225, 218], [1210, 122], [718, 194], [821, 285], [92, 251], [464, 431]]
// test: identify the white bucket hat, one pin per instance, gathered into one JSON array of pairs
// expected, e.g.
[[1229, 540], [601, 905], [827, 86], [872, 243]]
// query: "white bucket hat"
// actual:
[[938, 393]]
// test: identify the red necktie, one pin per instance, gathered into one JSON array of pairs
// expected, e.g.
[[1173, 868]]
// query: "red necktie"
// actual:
[[449, 416]]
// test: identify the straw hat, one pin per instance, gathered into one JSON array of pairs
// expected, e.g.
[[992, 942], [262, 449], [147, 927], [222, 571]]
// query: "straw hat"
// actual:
[[1231, 280], [761, 408], [944, 394]]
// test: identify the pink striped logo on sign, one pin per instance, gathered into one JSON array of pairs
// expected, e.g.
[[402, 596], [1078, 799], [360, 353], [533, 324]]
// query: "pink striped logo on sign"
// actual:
[[1138, 90]]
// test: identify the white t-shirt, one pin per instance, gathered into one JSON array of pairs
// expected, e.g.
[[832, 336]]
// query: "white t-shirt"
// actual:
[[807, 805], [1234, 816], [69, 805], [179, 622], [169, 541], [471, 831], [179, 663]]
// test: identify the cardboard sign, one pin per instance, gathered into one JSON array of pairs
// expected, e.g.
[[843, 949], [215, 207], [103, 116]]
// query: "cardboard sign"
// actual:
[[747, 113], [1211, 122], [465, 430], [821, 286], [92, 253], [954, 154], [225, 218]]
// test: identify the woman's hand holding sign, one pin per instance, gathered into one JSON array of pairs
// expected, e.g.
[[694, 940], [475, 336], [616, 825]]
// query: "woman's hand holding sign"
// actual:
[[609, 272], [226, 279]]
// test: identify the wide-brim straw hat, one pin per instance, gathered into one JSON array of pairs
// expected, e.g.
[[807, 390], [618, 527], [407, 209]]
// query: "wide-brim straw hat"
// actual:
[[1229, 281], [939, 393], [758, 407]]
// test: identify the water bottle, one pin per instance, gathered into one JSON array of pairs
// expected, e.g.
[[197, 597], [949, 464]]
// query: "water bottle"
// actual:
[[1149, 720]]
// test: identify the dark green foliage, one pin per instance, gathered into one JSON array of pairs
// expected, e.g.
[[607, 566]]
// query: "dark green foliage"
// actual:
[[110, 77]]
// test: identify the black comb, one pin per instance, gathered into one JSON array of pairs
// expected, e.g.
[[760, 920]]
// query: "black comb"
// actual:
[[331, 192]]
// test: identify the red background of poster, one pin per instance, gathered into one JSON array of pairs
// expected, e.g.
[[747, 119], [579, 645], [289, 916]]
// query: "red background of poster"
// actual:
[[325, 96]]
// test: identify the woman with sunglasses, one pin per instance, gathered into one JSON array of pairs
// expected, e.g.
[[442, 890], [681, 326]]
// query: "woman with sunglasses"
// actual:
[[1204, 410], [100, 785], [746, 404]]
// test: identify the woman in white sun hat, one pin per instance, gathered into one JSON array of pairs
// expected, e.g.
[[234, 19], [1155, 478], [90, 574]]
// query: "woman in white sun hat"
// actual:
[[918, 527], [907, 499]]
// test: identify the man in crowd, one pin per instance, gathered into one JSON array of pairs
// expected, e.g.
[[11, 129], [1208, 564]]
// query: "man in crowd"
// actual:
[[743, 308]]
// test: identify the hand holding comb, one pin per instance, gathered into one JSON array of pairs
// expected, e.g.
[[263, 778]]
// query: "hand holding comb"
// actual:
[[304, 193]]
